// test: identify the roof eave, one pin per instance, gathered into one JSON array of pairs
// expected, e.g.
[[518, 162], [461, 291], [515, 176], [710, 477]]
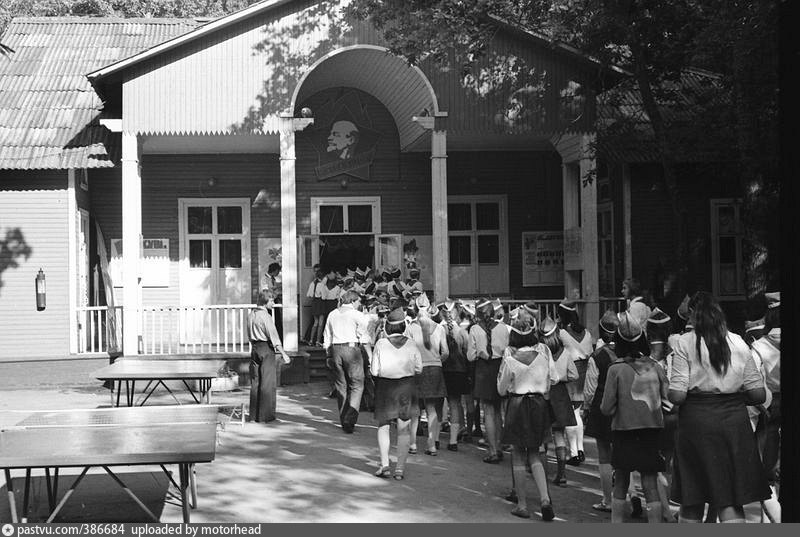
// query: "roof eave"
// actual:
[[95, 77], [577, 54]]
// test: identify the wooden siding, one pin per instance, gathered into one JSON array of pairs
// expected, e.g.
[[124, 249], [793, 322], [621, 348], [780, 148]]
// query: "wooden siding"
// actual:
[[654, 233], [165, 178], [484, 108], [241, 78], [531, 181], [35, 204]]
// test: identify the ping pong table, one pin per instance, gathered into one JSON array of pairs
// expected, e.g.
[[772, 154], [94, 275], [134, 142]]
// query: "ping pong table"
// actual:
[[106, 437], [156, 373]]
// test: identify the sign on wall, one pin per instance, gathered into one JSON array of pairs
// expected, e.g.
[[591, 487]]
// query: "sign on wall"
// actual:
[[154, 255], [573, 249], [542, 258]]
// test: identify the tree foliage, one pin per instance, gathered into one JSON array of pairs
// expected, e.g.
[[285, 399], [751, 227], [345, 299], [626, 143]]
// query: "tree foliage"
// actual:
[[734, 117]]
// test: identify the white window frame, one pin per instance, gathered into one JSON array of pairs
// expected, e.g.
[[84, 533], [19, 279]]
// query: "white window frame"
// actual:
[[183, 242], [375, 201], [715, 204]]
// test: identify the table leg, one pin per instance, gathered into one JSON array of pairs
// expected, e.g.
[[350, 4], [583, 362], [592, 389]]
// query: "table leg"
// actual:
[[11, 503], [27, 495], [119, 390], [183, 470], [51, 502], [193, 485], [130, 493], [68, 493]]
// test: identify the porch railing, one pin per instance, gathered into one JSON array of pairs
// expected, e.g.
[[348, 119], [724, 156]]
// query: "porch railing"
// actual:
[[99, 329], [195, 329], [549, 307]]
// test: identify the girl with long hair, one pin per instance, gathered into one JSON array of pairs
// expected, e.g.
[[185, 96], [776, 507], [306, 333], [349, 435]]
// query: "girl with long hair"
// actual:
[[561, 413], [395, 362], [635, 389], [466, 318], [526, 373], [431, 342], [598, 426], [486, 344], [577, 343], [635, 301], [713, 378], [456, 377]]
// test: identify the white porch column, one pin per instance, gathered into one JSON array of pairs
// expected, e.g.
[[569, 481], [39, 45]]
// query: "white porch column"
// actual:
[[581, 270], [131, 240], [289, 126], [441, 251], [590, 273]]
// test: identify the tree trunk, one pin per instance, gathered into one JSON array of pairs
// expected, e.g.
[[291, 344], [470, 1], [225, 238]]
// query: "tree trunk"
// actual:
[[667, 157]]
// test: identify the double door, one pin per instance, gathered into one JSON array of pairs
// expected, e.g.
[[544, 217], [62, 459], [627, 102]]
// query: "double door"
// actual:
[[478, 239]]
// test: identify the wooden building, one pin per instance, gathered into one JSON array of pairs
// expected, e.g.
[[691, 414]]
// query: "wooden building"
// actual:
[[153, 169]]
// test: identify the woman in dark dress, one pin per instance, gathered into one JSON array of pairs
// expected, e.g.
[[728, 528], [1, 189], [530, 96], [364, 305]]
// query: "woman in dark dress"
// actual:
[[713, 379]]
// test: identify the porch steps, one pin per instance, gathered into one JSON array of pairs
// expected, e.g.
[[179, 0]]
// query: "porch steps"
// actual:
[[316, 362]]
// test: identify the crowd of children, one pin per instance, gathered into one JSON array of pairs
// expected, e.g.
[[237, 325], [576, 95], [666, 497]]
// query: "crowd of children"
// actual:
[[683, 402]]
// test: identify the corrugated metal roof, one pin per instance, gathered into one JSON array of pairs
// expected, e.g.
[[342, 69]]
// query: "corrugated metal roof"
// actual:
[[49, 113], [625, 133]]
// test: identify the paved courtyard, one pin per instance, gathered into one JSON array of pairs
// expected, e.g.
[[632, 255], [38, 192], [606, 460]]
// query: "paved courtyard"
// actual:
[[300, 468]]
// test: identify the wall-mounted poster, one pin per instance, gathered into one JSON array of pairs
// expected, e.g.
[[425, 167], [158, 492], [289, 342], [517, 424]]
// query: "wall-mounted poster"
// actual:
[[344, 138], [542, 258]]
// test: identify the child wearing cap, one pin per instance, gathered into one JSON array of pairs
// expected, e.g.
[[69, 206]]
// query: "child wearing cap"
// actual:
[[465, 319], [766, 352], [486, 344], [634, 392], [432, 344], [396, 361], [561, 413], [526, 373], [659, 328], [317, 307], [456, 377], [577, 343], [598, 425]]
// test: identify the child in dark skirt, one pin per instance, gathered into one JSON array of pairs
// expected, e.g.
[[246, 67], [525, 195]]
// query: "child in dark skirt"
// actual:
[[659, 328], [526, 373], [561, 413], [636, 388], [598, 426], [396, 360]]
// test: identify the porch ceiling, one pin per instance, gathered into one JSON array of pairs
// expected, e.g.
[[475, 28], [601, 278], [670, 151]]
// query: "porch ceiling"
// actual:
[[404, 90]]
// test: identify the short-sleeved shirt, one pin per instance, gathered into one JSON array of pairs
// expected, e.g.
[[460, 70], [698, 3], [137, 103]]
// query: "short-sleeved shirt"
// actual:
[[693, 373], [391, 362], [476, 347], [527, 370], [438, 343], [767, 348]]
